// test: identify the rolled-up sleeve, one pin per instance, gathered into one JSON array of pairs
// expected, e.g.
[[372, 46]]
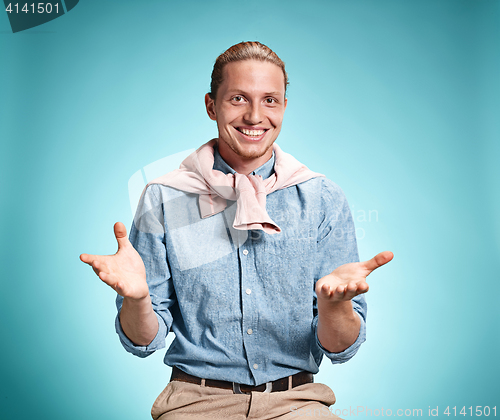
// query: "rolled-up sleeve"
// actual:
[[147, 236], [143, 351], [336, 246], [348, 353]]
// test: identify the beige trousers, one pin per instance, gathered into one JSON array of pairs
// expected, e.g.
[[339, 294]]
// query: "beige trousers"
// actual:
[[185, 401]]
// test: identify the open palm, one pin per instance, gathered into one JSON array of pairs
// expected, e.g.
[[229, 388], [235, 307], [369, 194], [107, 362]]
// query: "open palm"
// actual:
[[123, 271], [349, 280]]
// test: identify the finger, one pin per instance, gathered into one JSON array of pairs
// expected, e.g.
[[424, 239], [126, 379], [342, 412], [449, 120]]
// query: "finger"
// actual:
[[108, 278], [121, 234], [378, 260], [119, 288], [90, 259], [339, 293], [111, 280], [363, 287], [351, 290], [100, 266], [325, 291], [86, 258]]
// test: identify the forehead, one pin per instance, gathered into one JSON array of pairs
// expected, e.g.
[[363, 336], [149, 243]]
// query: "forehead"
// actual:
[[253, 76]]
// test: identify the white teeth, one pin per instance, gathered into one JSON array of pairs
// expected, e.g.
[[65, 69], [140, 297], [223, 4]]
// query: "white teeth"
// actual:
[[252, 132]]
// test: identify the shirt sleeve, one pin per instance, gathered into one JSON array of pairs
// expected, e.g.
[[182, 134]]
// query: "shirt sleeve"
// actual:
[[147, 236], [337, 246]]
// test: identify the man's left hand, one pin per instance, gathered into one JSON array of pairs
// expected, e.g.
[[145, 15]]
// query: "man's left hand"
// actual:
[[349, 280]]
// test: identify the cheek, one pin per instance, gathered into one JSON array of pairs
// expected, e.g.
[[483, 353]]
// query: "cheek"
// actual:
[[228, 114], [276, 118]]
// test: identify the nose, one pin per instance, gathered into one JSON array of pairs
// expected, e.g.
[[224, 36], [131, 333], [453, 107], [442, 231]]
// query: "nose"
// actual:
[[253, 114]]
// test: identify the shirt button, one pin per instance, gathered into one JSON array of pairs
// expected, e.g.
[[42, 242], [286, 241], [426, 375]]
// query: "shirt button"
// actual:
[[255, 366], [248, 291], [245, 252], [249, 331]]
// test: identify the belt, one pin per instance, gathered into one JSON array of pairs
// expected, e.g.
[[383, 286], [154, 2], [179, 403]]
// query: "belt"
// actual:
[[282, 384]]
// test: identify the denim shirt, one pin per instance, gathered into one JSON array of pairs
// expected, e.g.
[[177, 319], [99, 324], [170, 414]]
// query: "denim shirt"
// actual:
[[242, 304]]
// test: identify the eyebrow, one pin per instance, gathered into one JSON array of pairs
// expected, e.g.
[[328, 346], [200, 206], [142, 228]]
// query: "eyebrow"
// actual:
[[266, 93]]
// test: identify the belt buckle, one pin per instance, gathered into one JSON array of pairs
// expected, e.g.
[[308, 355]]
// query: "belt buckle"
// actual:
[[237, 390]]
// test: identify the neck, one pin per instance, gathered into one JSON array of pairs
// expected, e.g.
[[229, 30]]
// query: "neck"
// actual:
[[241, 164]]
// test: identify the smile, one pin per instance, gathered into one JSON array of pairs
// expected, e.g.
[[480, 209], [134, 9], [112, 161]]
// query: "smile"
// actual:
[[251, 133]]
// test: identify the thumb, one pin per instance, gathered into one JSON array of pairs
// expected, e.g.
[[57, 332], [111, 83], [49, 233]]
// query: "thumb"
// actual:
[[121, 235], [378, 260]]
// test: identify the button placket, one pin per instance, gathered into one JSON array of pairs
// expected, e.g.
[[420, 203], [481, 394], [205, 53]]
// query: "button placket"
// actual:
[[247, 266]]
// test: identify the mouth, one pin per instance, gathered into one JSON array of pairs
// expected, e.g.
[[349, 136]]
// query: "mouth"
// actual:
[[252, 134]]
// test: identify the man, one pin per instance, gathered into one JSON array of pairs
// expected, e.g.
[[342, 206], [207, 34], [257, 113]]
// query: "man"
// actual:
[[248, 257]]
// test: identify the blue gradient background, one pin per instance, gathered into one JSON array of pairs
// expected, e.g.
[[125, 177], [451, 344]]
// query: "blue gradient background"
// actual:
[[396, 101]]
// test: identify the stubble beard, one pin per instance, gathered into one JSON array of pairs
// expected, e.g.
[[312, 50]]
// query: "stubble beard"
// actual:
[[255, 154]]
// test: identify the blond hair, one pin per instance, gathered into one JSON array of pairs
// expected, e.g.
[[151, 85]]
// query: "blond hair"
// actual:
[[251, 50]]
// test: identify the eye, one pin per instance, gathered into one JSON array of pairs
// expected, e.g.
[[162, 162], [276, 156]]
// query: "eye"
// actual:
[[271, 101], [237, 98]]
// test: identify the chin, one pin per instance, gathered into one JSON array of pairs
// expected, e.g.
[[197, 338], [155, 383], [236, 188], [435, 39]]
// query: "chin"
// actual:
[[252, 153]]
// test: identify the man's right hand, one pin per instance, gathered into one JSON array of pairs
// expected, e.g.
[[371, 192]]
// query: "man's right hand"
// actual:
[[123, 271]]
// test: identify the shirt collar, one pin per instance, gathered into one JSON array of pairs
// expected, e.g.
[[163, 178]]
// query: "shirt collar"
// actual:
[[265, 171]]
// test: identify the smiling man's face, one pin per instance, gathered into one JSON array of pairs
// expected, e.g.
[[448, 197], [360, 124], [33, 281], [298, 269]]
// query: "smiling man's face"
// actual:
[[249, 110]]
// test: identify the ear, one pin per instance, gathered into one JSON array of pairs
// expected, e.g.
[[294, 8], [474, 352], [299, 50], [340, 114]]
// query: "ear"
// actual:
[[286, 102], [210, 105]]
